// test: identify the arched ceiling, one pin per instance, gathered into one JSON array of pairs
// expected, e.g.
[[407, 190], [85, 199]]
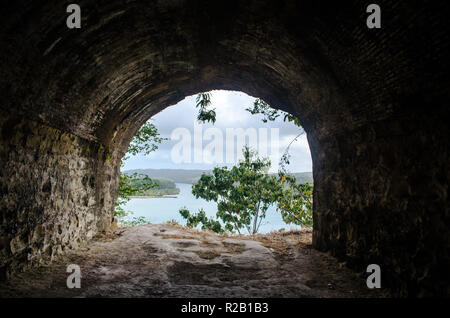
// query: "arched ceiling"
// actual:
[[128, 62]]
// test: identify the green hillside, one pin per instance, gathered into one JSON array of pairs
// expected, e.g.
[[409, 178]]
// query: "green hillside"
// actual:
[[192, 176], [165, 187]]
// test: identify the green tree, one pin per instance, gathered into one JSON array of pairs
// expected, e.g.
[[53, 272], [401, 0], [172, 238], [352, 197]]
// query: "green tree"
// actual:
[[243, 195], [146, 140], [295, 201], [203, 102], [193, 220], [271, 114]]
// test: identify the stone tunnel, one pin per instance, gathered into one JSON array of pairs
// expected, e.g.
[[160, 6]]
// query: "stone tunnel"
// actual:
[[374, 103]]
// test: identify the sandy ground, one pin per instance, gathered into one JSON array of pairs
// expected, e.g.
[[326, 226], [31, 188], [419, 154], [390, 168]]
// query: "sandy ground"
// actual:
[[169, 261]]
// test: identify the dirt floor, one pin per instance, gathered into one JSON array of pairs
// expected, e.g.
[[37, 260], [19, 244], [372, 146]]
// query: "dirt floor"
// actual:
[[170, 261]]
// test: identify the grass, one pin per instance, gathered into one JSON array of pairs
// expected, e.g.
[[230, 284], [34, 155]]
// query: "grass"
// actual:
[[234, 248], [284, 243]]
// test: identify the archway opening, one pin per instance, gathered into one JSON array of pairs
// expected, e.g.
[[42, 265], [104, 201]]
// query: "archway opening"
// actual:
[[189, 147]]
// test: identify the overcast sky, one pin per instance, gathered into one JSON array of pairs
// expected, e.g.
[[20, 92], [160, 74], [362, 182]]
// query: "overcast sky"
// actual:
[[204, 146]]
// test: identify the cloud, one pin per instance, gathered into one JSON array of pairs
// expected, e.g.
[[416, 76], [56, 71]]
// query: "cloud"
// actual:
[[231, 114]]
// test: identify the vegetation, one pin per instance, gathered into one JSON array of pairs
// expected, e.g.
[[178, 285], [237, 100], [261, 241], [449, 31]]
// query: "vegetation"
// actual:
[[173, 223], [176, 175], [157, 193], [193, 220], [145, 141], [271, 114], [192, 176], [136, 221], [259, 107], [296, 202], [203, 101], [130, 185], [162, 187], [245, 192]]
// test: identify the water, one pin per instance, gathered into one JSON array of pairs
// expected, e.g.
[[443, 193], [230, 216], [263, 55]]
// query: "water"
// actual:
[[161, 210]]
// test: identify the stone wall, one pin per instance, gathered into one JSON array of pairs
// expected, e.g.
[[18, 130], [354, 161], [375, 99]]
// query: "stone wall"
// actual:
[[56, 192], [382, 199]]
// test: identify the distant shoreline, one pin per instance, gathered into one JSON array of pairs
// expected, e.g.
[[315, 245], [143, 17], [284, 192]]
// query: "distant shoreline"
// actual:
[[188, 176], [168, 196]]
